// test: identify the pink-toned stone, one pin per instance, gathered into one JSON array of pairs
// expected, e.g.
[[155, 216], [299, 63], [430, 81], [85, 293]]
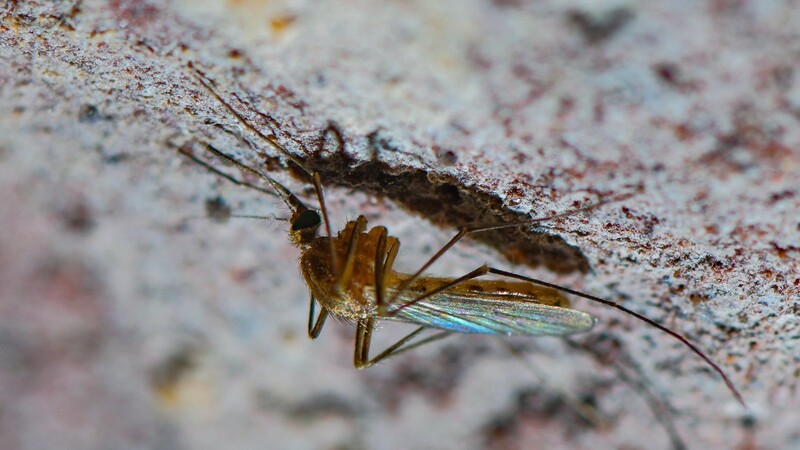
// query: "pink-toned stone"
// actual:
[[128, 320]]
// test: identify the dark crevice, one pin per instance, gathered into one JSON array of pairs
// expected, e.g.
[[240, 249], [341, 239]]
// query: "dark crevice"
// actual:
[[446, 203]]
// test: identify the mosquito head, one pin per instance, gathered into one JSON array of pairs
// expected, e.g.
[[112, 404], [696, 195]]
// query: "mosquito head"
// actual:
[[305, 224]]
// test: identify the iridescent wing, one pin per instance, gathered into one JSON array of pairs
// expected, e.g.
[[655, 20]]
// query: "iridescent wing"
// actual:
[[479, 314]]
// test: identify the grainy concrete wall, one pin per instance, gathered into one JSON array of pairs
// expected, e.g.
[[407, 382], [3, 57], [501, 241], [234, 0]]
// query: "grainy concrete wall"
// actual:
[[129, 319]]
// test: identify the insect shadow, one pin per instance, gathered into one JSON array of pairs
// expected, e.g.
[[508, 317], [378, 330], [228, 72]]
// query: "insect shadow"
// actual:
[[351, 275]]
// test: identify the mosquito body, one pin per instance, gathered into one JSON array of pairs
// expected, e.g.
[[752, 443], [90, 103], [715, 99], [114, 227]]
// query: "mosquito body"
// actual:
[[351, 275], [366, 287]]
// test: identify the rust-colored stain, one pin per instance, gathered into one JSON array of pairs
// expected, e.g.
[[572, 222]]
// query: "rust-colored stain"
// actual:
[[280, 25], [136, 13]]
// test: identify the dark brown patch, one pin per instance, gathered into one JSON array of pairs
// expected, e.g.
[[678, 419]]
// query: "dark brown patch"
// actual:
[[539, 406], [77, 216], [217, 209], [597, 28], [667, 72], [321, 406], [783, 250], [672, 75], [445, 157], [135, 14], [90, 114], [170, 372], [782, 195]]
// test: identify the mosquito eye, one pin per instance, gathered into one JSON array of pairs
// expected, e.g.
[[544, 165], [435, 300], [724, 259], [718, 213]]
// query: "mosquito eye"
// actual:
[[306, 219]]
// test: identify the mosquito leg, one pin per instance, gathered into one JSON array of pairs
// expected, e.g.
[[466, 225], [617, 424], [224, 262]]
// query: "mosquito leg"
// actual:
[[324, 210], [660, 407], [393, 245], [364, 336], [403, 346], [383, 265], [479, 272], [630, 312], [379, 269], [472, 230], [315, 327], [321, 198], [352, 250], [591, 414], [483, 270]]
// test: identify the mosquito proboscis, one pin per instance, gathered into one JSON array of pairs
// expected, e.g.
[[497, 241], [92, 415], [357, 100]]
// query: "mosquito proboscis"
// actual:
[[351, 275]]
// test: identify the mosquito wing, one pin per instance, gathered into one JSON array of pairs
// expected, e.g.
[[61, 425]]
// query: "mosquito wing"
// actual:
[[482, 314]]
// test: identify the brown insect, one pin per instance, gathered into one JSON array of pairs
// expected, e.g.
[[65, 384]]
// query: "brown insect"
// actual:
[[351, 275]]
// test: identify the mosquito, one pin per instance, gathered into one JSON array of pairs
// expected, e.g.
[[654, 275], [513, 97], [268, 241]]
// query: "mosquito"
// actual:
[[351, 275]]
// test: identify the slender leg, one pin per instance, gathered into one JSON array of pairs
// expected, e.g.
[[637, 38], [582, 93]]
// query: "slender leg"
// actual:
[[315, 328], [591, 414], [645, 319], [400, 347], [380, 268], [394, 247], [472, 230], [364, 336], [352, 249], [321, 198], [384, 260], [486, 269], [383, 265], [659, 406], [480, 271], [324, 209]]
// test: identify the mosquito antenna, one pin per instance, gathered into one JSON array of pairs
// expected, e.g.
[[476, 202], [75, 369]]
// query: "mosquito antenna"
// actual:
[[248, 216], [641, 317], [222, 174], [271, 139], [238, 216], [291, 200]]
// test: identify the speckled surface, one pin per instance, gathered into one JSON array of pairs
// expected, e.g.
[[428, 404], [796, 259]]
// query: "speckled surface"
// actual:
[[128, 319]]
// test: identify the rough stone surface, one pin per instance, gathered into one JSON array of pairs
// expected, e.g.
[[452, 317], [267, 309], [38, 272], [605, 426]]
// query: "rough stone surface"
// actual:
[[133, 314]]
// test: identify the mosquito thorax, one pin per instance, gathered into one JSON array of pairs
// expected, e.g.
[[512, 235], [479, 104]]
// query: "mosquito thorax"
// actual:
[[305, 224]]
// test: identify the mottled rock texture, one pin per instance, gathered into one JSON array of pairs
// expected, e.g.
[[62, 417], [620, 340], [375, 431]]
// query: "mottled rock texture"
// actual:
[[134, 315]]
